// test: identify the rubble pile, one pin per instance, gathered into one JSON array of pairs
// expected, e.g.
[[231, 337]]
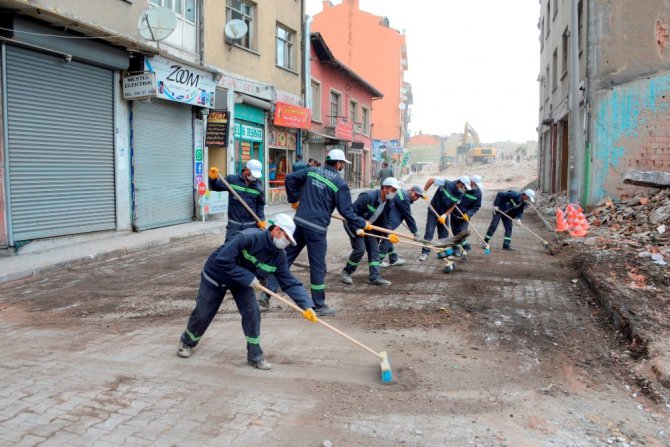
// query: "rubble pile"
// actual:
[[640, 222]]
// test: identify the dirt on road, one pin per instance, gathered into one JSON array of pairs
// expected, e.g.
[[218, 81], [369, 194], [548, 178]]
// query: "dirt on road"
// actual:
[[509, 349]]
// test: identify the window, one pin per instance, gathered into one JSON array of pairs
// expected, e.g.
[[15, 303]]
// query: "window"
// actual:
[[580, 24], [566, 48], [353, 112], [185, 35], [239, 9], [554, 70], [548, 17], [334, 107], [285, 41], [316, 100], [366, 120]]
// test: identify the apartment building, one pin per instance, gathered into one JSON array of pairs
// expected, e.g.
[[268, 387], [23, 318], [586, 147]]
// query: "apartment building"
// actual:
[[623, 84]]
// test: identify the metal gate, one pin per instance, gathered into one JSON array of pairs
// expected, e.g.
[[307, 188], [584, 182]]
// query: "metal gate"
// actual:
[[162, 164], [60, 125]]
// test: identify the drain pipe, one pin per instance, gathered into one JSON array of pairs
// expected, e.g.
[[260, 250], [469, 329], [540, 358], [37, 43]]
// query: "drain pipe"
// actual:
[[576, 150]]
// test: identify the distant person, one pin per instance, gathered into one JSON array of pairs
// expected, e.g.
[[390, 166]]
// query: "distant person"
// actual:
[[299, 164], [384, 173], [312, 163], [272, 170]]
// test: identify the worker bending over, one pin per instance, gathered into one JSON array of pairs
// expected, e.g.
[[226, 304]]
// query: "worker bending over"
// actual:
[[467, 207], [400, 211], [511, 203]]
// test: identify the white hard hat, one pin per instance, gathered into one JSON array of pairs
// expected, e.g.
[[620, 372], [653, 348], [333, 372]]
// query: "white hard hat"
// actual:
[[255, 167], [465, 180], [531, 194], [392, 182], [337, 155], [477, 180], [285, 222]]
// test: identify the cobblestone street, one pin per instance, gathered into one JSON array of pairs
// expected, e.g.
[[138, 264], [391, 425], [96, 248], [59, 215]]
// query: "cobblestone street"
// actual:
[[505, 350]]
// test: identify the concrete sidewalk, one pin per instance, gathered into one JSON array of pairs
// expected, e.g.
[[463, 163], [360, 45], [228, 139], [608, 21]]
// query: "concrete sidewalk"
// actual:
[[64, 252]]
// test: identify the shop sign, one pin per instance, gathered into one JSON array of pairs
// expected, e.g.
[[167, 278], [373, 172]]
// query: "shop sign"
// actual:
[[344, 129], [256, 89], [289, 115], [198, 152], [180, 82], [214, 202], [315, 138], [217, 128], [250, 133], [139, 86], [282, 139]]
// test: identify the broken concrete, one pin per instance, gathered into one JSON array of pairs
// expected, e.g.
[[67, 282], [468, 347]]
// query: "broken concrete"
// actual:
[[656, 179]]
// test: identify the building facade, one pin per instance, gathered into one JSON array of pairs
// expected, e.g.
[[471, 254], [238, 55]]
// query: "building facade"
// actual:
[[370, 47], [624, 79], [261, 87], [100, 126], [341, 103]]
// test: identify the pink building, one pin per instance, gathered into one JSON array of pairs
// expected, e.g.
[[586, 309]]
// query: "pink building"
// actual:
[[341, 103]]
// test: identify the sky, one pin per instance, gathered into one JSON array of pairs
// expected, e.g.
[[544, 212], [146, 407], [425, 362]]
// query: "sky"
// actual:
[[469, 60]]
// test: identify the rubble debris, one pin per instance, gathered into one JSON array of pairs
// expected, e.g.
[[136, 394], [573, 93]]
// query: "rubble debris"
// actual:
[[655, 179]]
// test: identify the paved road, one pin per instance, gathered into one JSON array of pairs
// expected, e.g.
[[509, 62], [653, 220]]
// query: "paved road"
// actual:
[[505, 350]]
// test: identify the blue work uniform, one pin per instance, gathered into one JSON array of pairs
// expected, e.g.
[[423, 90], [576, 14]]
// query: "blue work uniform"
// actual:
[[320, 190], [510, 203], [400, 211], [446, 196], [367, 207], [469, 204], [299, 165], [251, 192], [249, 254]]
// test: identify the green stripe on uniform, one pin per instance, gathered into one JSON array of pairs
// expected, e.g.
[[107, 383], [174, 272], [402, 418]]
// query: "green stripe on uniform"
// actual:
[[350, 262], [192, 336], [471, 197], [323, 180], [507, 238], [449, 196], [400, 195], [243, 189], [254, 340], [372, 208], [267, 267], [317, 286], [374, 264], [248, 256]]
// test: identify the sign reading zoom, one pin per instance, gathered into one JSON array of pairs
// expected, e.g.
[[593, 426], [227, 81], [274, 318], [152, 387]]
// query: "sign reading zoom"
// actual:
[[181, 83]]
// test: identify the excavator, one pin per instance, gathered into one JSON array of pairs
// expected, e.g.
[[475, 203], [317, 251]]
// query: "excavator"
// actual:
[[474, 152]]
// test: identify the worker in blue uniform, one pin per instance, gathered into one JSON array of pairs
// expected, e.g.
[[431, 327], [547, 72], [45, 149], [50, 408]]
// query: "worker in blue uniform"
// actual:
[[511, 203], [400, 211], [467, 207], [237, 266], [444, 201], [319, 190], [248, 186], [373, 206]]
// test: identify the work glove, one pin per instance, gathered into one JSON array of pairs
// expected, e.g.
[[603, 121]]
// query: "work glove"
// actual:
[[255, 284], [262, 225], [425, 197], [496, 209], [394, 239], [442, 219], [465, 217], [213, 173], [519, 221], [295, 205], [368, 226], [309, 314], [360, 232]]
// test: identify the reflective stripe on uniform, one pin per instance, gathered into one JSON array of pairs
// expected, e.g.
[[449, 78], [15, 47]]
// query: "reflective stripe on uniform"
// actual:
[[323, 180], [400, 195], [307, 223], [374, 264], [261, 265], [449, 196], [350, 262], [206, 276], [507, 238], [470, 197], [247, 190], [241, 223], [317, 286], [192, 336], [371, 208], [254, 340]]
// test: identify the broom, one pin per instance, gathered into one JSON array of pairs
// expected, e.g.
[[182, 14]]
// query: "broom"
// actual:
[[386, 373]]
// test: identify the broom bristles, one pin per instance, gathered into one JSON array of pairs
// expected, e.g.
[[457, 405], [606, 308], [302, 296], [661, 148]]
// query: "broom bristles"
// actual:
[[387, 374]]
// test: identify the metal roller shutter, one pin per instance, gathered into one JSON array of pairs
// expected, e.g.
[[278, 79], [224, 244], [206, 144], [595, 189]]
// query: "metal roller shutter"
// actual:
[[162, 163], [61, 146]]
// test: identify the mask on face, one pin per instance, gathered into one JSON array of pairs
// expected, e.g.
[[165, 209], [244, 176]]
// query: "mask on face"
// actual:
[[251, 178], [390, 195], [281, 243]]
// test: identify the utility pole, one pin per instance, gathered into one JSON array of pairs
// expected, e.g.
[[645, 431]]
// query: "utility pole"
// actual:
[[576, 150]]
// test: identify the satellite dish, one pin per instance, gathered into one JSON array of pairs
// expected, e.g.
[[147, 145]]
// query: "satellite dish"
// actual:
[[236, 29], [157, 24], [402, 106]]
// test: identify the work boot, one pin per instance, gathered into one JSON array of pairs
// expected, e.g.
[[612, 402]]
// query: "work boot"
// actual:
[[324, 311], [384, 264], [346, 277], [184, 351], [423, 257], [398, 262], [467, 247], [264, 300], [485, 244], [508, 248], [265, 366], [380, 282]]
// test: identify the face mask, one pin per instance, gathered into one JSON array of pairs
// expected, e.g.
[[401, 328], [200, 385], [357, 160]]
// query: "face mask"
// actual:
[[281, 243], [251, 178], [390, 195]]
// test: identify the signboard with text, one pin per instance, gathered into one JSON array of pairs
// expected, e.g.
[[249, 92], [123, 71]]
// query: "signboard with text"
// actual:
[[344, 129], [180, 82], [289, 115], [217, 128], [139, 86], [246, 132]]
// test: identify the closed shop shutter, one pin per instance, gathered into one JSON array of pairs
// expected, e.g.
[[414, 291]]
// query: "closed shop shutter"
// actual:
[[60, 126], [162, 163]]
